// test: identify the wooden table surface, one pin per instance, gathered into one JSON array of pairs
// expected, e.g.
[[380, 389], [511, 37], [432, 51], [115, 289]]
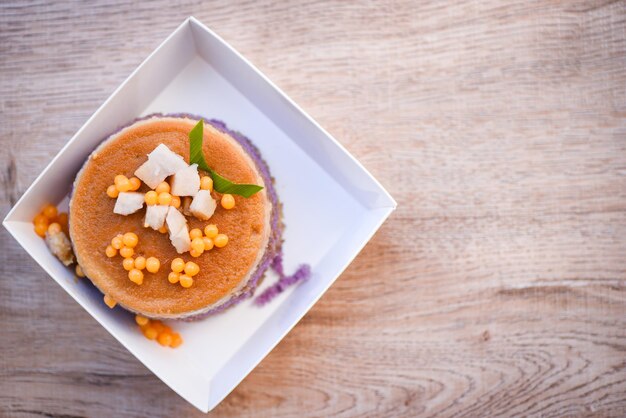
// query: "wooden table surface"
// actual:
[[496, 288]]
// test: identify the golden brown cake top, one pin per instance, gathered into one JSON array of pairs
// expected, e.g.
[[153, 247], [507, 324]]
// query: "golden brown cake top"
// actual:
[[93, 223]]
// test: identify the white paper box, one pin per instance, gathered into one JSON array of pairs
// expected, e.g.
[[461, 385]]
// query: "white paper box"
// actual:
[[332, 206]]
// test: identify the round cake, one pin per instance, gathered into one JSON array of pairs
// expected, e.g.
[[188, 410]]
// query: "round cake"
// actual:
[[226, 275]]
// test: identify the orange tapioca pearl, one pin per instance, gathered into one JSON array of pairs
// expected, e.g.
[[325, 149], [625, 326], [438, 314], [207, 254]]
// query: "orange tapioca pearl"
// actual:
[[176, 340], [197, 245], [40, 229], [211, 231], [178, 265], [112, 191], [151, 197], [220, 240], [49, 211], [110, 251], [135, 183], [127, 252], [191, 269], [186, 281], [173, 277], [122, 183], [153, 264], [165, 339], [41, 219], [63, 219], [109, 301], [141, 320], [228, 201], [130, 239], [150, 332], [136, 276]]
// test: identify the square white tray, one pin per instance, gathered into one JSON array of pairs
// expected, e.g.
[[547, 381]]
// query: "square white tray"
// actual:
[[332, 206]]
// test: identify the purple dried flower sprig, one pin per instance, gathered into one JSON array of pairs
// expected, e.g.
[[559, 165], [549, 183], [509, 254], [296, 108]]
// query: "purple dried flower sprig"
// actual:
[[303, 273]]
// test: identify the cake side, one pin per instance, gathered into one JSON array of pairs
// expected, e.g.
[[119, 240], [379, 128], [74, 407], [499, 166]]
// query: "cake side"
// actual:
[[232, 275]]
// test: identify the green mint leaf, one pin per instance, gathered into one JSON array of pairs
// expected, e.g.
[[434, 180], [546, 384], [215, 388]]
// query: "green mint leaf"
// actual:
[[195, 147], [220, 184], [223, 185]]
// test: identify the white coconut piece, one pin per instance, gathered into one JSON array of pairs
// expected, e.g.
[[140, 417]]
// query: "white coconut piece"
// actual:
[[168, 160], [155, 216], [181, 241], [162, 162], [186, 181], [59, 244], [203, 205], [128, 202], [151, 173], [179, 232], [175, 220]]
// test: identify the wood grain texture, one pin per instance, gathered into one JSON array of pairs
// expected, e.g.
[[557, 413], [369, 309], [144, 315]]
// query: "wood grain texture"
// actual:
[[496, 289]]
